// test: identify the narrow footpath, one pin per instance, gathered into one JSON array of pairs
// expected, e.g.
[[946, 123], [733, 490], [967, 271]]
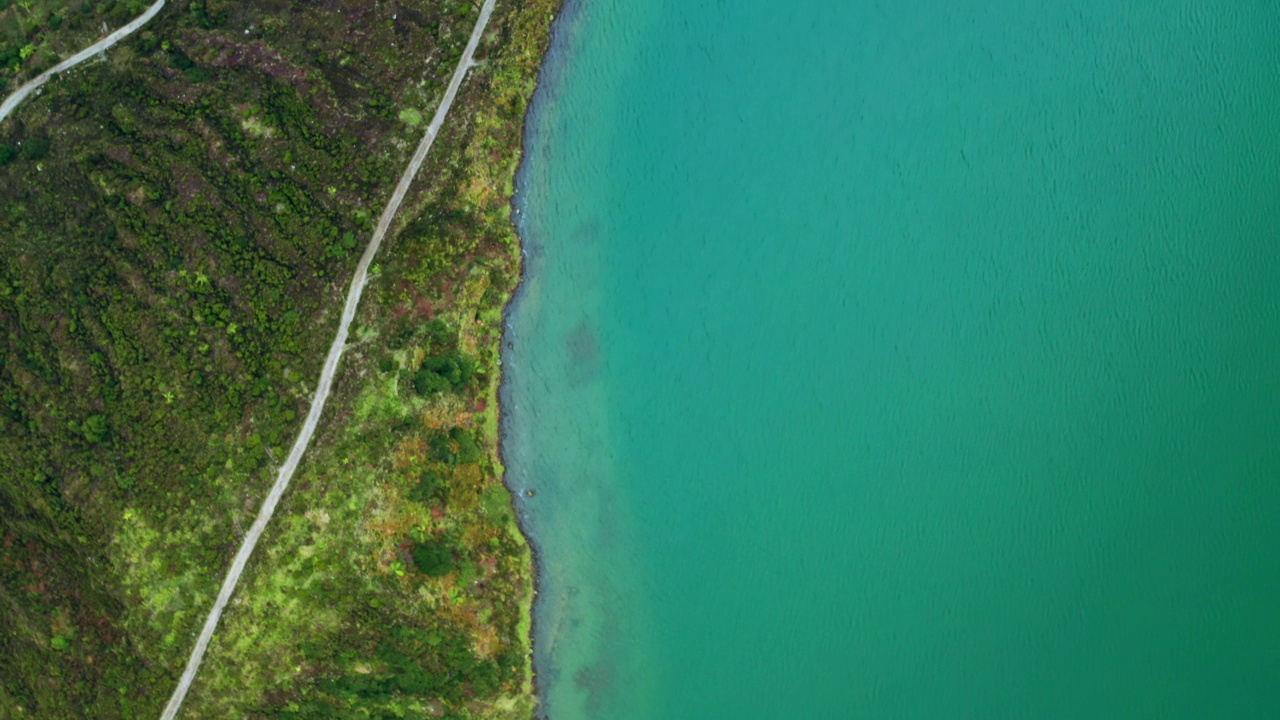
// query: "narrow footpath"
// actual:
[[17, 96], [326, 376]]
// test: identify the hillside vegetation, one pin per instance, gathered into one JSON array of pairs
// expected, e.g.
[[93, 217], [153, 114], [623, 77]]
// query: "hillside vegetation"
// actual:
[[177, 229]]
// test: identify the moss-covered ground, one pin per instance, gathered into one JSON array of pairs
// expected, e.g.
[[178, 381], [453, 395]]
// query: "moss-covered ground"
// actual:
[[176, 232]]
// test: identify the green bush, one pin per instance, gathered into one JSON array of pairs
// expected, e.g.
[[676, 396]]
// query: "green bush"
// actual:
[[418, 682], [468, 448], [438, 373], [8, 154], [179, 59], [440, 449], [430, 488], [35, 148], [434, 558], [95, 428], [440, 337]]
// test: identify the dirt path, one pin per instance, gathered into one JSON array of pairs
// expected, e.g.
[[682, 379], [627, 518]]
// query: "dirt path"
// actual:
[[326, 375], [121, 33]]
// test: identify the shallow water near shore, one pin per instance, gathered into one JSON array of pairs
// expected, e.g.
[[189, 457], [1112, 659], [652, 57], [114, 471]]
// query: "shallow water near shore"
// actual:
[[906, 360]]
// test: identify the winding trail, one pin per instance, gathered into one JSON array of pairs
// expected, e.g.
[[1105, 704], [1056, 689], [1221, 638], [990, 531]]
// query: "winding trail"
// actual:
[[326, 376], [121, 33]]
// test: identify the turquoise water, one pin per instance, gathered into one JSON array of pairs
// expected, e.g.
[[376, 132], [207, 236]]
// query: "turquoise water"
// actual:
[[903, 360]]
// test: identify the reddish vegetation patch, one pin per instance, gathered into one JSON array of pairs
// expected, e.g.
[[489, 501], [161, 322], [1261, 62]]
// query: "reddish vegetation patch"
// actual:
[[352, 13], [120, 154], [410, 453], [257, 55], [173, 87], [190, 185]]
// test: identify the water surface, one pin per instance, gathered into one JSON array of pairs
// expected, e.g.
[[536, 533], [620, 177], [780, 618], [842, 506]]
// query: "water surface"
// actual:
[[903, 360]]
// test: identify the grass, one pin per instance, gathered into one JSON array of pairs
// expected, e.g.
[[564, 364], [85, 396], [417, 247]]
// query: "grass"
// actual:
[[411, 117]]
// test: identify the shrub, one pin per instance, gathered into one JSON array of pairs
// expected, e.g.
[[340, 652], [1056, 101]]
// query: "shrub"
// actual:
[[179, 59], [439, 336], [433, 558], [35, 148], [440, 449], [450, 371], [468, 448], [95, 428], [430, 487]]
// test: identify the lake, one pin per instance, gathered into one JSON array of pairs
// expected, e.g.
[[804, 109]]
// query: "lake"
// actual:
[[902, 360]]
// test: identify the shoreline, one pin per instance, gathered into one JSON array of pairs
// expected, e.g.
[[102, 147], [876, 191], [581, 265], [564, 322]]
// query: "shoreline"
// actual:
[[549, 68]]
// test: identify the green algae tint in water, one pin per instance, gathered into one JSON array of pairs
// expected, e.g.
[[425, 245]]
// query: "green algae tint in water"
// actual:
[[903, 360]]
